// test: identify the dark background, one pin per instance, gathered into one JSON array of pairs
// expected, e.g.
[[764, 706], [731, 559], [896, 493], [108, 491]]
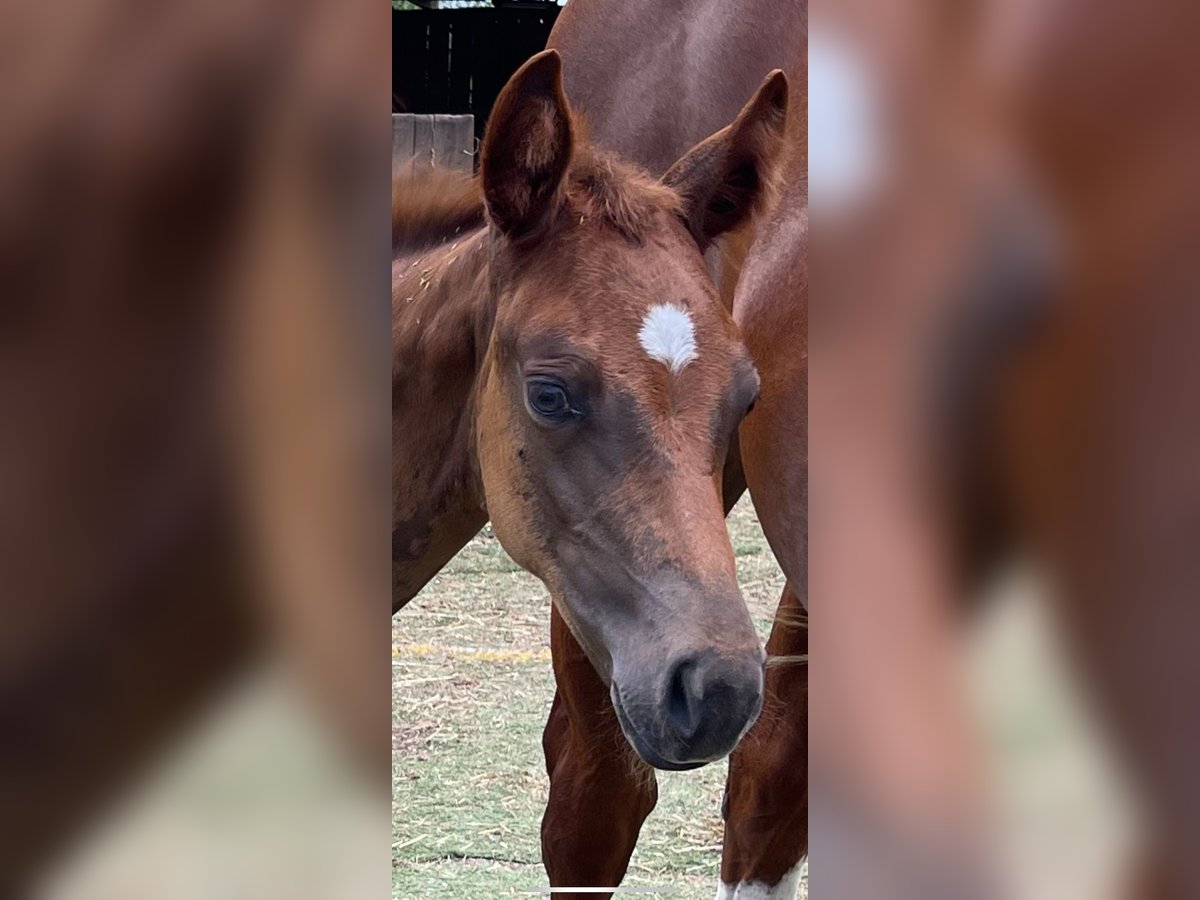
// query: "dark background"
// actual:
[[456, 61]]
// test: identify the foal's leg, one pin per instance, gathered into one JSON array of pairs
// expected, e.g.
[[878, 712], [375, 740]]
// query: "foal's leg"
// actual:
[[766, 794], [600, 791]]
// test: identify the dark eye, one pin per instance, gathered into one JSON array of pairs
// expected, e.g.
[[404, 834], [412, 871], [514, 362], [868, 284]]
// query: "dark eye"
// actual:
[[549, 400]]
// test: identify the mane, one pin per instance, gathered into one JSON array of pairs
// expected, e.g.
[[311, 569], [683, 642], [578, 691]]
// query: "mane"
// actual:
[[431, 206], [622, 196]]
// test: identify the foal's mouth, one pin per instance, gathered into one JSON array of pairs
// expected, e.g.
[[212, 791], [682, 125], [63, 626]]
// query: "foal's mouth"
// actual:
[[641, 746]]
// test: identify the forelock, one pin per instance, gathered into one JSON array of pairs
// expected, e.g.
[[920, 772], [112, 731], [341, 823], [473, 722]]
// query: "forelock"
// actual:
[[619, 195]]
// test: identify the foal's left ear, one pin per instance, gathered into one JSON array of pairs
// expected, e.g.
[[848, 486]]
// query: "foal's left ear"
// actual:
[[527, 147], [723, 177]]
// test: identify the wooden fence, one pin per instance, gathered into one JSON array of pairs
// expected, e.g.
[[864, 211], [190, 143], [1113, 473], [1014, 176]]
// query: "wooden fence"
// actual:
[[436, 140], [456, 61]]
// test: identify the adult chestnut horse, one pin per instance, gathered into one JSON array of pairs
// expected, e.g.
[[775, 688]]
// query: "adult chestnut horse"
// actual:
[[562, 367], [650, 105]]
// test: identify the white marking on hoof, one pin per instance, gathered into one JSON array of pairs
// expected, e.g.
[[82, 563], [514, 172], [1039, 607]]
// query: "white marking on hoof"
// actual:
[[757, 890], [668, 335]]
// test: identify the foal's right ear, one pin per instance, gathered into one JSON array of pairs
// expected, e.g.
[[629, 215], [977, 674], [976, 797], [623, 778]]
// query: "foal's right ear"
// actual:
[[527, 147]]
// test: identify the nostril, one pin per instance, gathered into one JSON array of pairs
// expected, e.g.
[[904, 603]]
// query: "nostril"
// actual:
[[682, 702]]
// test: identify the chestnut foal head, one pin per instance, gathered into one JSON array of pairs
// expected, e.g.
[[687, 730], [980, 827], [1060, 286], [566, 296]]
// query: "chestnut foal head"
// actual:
[[610, 386]]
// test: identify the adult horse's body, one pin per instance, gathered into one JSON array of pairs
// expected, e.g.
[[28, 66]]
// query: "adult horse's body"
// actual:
[[566, 370], [648, 81]]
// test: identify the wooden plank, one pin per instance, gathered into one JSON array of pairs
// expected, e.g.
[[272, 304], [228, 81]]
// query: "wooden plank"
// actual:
[[491, 68], [454, 142], [408, 58], [437, 64], [462, 60], [423, 140], [402, 139], [437, 140]]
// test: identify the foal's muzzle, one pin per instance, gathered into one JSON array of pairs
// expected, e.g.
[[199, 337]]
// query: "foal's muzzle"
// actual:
[[692, 711]]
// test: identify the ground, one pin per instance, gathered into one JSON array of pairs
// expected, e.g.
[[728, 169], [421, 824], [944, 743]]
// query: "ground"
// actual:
[[471, 688]]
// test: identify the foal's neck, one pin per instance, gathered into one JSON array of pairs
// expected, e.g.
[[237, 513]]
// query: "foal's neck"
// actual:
[[442, 310]]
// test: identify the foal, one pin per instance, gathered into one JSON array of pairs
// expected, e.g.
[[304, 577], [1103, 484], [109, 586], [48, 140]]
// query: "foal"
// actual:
[[562, 366]]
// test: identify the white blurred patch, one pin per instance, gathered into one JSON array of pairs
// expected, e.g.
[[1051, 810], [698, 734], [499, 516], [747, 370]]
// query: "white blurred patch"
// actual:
[[1067, 820], [844, 140], [757, 890], [668, 335], [256, 800]]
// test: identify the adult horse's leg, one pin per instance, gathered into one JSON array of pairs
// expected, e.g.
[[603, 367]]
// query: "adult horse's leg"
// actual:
[[766, 794], [600, 791]]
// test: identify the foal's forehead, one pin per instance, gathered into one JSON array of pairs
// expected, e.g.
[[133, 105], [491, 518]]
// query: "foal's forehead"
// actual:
[[660, 336], [608, 287], [632, 308]]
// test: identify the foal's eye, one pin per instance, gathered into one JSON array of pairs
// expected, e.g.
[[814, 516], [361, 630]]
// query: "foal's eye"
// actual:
[[549, 400]]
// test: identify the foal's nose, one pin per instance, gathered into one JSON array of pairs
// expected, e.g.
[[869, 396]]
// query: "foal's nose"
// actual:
[[710, 701]]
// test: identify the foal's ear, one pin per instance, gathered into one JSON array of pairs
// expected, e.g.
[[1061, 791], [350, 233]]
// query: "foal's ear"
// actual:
[[722, 178], [527, 147]]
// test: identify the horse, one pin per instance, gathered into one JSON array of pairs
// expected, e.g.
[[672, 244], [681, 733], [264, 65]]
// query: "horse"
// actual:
[[562, 367], [692, 81]]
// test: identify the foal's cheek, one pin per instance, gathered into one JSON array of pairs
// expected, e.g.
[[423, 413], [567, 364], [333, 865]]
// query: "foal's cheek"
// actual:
[[503, 466]]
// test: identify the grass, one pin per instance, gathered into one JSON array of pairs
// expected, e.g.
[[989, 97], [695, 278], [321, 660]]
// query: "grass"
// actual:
[[471, 688]]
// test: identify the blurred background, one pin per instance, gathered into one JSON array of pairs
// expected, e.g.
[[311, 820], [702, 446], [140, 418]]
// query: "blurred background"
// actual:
[[193, 463], [1003, 427]]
